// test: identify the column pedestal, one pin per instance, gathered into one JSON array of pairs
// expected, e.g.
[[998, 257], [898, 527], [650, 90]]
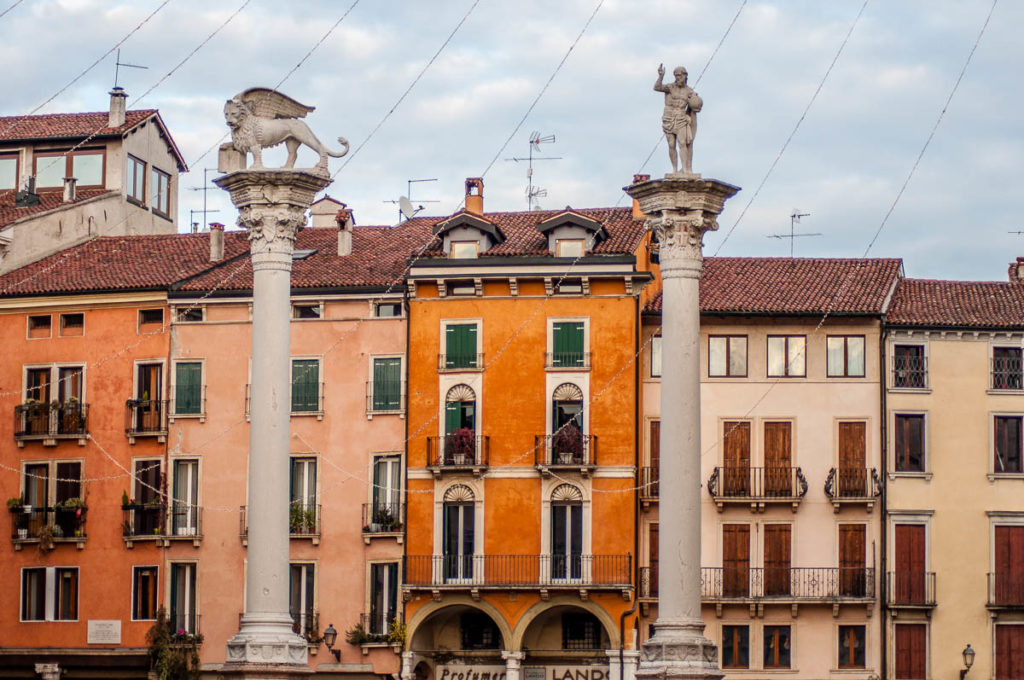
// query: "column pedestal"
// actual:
[[680, 209], [272, 207]]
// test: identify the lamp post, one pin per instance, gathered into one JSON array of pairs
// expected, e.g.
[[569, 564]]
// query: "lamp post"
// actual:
[[330, 635], [968, 655]]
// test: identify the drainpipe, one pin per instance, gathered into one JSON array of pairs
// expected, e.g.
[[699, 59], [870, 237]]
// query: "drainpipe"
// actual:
[[884, 514], [637, 431], [622, 635], [406, 307]]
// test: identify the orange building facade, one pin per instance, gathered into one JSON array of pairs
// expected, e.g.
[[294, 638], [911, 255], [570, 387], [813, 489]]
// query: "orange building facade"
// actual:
[[520, 555]]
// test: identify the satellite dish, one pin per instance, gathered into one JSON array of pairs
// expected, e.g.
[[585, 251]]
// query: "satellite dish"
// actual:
[[406, 207]]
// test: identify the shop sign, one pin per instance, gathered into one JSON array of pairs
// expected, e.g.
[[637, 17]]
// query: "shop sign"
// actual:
[[566, 673], [469, 672]]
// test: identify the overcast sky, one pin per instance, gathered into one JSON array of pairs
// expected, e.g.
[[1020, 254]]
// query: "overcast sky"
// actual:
[[844, 166]]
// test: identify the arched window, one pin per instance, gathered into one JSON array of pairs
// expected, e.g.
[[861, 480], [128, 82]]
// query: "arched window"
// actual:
[[459, 538], [460, 441], [566, 532], [567, 441]]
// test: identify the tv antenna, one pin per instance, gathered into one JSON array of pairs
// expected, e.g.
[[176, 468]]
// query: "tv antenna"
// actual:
[[118, 64], [533, 192], [406, 209], [192, 218], [203, 188], [794, 219]]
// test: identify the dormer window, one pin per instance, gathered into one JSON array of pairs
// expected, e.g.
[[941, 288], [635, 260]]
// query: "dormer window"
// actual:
[[464, 249], [51, 167], [566, 247]]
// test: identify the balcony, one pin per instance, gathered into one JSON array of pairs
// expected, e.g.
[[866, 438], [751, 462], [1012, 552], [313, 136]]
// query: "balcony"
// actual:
[[146, 418], [453, 363], [385, 397], [853, 486], [910, 589], [51, 422], [439, 573], [297, 409], [1006, 591], [458, 451], [48, 526], [143, 522], [757, 487], [649, 486], [1007, 373], [568, 450], [185, 626], [303, 522], [305, 622], [567, 361], [186, 523], [377, 632], [910, 373], [792, 586], [382, 520]]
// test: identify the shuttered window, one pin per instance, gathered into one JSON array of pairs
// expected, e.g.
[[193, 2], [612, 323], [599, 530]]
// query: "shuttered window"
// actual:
[[188, 388], [460, 346], [777, 549], [567, 341], [735, 560], [1009, 652], [911, 651], [909, 443], [305, 385], [387, 384], [1008, 579]]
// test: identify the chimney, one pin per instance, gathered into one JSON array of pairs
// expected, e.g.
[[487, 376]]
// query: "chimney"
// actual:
[[216, 241], [70, 189], [345, 221], [117, 106], [27, 196], [637, 215], [1017, 271], [324, 212], [475, 195]]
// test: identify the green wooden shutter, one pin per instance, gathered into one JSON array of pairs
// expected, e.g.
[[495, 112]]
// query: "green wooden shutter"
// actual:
[[460, 346], [452, 416], [387, 384], [188, 388], [305, 385], [568, 343]]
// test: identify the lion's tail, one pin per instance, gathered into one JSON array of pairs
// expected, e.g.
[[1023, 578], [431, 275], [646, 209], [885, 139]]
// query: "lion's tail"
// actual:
[[339, 154]]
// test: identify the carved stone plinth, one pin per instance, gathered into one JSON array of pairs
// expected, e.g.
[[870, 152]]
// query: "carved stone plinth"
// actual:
[[681, 208], [272, 207]]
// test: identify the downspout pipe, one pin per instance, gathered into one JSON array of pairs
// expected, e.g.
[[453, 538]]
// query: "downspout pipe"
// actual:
[[637, 438], [884, 514]]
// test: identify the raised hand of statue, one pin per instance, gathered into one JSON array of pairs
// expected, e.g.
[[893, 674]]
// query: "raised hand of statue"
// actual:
[[661, 70]]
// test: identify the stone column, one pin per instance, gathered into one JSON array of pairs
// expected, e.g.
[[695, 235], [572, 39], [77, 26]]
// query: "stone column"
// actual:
[[408, 665], [272, 207], [680, 209], [513, 665]]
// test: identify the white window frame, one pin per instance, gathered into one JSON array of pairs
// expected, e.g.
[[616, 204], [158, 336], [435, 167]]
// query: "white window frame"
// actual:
[[178, 310], [551, 321], [163, 373], [169, 589], [51, 474], [368, 602], [317, 304], [400, 411], [890, 367], [138, 320], [60, 324], [51, 594], [172, 390], [321, 384], [1011, 342], [377, 305], [452, 245], [316, 585], [197, 502], [54, 368], [28, 326], [571, 242], [397, 458], [443, 342], [656, 357], [548, 486], [156, 584], [477, 487]]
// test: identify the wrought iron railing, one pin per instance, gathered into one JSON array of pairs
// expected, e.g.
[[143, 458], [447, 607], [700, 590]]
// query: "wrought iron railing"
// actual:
[[377, 626], [383, 518], [1006, 589], [521, 571], [911, 588], [186, 520], [648, 585], [811, 584], [568, 360], [853, 483], [566, 448], [184, 625], [146, 417], [51, 421], [143, 520], [65, 522], [1007, 373], [649, 483], [757, 483], [910, 372], [303, 520], [385, 396], [306, 622], [459, 362], [457, 451]]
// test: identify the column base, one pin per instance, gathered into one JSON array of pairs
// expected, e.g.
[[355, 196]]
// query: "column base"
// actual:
[[679, 650], [265, 643]]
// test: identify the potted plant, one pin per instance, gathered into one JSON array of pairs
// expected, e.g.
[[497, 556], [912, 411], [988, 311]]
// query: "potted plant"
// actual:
[[383, 520], [460, 446], [125, 501], [567, 444], [15, 504], [301, 520], [69, 514], [71, 418]]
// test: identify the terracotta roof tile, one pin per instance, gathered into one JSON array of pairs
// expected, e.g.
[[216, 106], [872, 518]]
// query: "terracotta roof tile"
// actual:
[[522, 237], [48, 200], [61, 125], [957, 304], [755, 285], [119, 263]]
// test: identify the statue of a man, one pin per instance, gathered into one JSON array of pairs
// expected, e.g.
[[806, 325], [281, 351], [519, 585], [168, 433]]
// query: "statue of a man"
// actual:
[[679, 121]]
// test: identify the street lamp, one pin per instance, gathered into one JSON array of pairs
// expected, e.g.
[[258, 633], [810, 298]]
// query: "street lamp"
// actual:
[[968, 660], [330, 635]]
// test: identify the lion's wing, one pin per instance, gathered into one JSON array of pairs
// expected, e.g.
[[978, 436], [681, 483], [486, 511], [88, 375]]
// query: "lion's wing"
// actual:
[[269, 103]]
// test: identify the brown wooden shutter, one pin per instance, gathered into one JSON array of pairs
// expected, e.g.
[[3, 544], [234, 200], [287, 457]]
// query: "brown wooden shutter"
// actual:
[[655, 443], [1009, 652], [735, 560], [910, 576], [777, 553], [911, 651], [852, 460], [852, 576], [778, 457], [736, 475], [652, 556], [1009, 565]]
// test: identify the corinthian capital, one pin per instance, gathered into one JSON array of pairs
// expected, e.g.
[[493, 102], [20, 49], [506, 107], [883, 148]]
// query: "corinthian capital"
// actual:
[[272, 227], [681, 235]]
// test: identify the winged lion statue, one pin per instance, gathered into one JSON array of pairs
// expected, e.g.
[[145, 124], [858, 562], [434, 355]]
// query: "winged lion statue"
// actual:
[[261, 118]]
